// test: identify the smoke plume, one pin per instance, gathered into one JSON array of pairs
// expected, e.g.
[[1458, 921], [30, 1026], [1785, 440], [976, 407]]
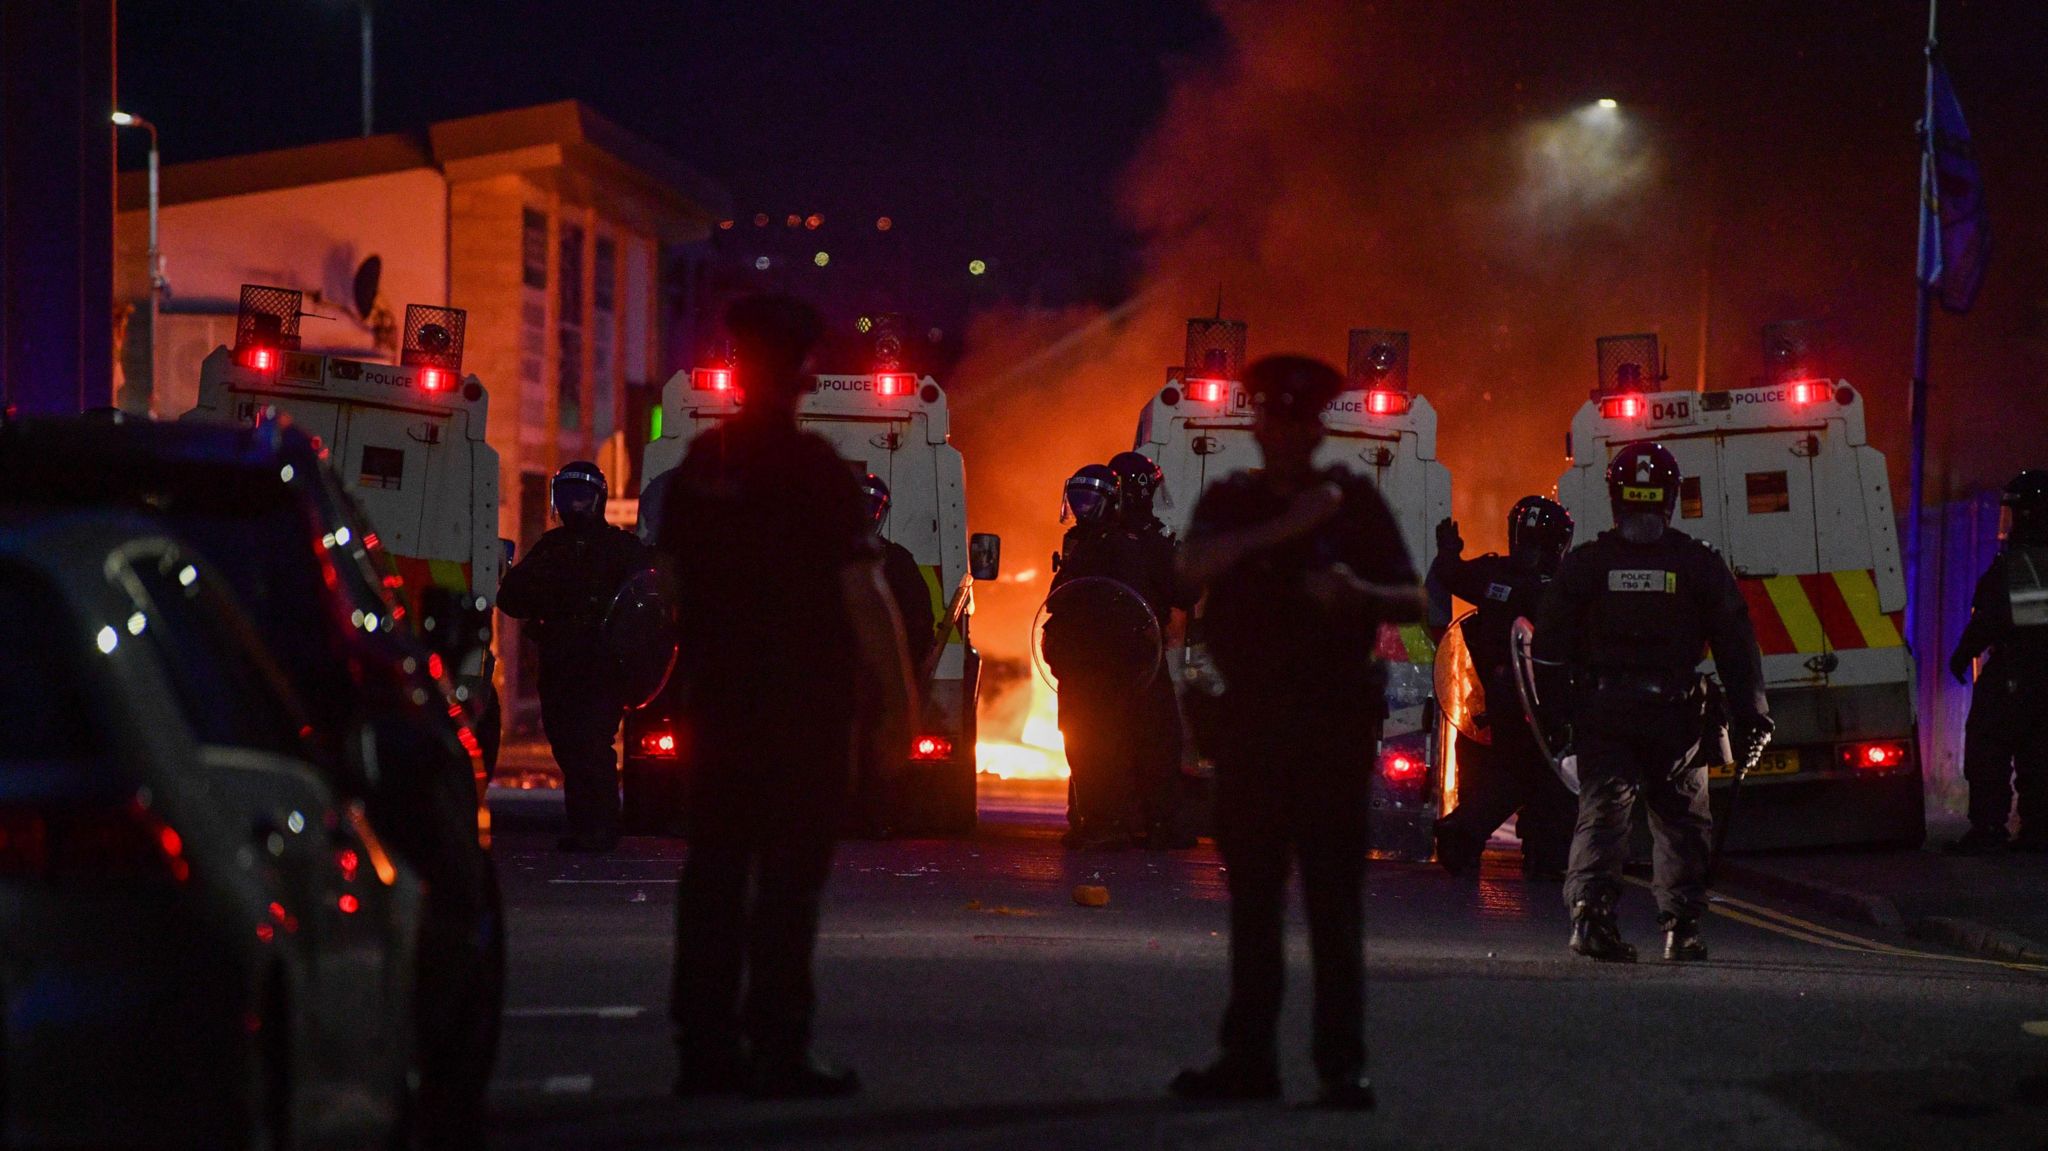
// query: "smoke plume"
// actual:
[[1504, 190]]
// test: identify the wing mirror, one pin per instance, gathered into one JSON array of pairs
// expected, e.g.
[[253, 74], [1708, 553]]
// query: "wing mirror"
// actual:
[[985, 555]]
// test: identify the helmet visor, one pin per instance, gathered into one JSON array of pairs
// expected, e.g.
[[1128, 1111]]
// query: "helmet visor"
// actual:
[[575, 498], [1087, 503]]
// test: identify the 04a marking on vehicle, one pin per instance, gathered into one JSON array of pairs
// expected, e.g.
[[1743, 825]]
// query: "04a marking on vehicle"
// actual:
[[1642, 579], [1773, 763]]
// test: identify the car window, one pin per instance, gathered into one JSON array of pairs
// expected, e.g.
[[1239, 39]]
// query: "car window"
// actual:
[[46, 715], [225, 684]]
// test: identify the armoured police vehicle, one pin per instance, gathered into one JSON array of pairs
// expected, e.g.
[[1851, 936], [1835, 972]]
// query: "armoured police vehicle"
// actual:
[[890, 423], [1780, 477], [1199, 429], [407, 442]]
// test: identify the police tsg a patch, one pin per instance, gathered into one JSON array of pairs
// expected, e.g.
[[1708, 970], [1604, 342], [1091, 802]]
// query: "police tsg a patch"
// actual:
[[1643, 579], [1499, 592]]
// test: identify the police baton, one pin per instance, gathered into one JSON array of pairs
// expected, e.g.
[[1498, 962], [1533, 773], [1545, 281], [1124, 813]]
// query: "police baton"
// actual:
[[1753, 743]]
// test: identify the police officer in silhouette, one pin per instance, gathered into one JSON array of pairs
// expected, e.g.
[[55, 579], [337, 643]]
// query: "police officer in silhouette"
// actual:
[[2005, 746], [1510, 774], [565, 587]]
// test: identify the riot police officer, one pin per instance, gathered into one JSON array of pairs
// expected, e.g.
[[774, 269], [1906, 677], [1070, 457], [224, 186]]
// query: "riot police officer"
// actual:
[[565, 586], [1156, 732], [1302, 566], [905, 578], [1106, 613], [1629, 615], [1509, 773], [875, 787], [2005, 744]]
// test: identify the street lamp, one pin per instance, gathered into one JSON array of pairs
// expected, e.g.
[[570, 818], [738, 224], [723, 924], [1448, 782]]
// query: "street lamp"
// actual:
[[156, 259]]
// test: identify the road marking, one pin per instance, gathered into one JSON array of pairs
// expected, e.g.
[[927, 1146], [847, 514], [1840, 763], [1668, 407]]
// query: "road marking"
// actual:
[[567, 1084], [2036, 1027], [623, 1012], [617, 882], [1792, 927]]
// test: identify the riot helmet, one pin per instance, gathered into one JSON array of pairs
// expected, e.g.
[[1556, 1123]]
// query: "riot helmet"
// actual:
[[2025, 510], [875, 491], [1539, 533], [578, 493], [1138, 481], [1642, 488], [1091, 495]]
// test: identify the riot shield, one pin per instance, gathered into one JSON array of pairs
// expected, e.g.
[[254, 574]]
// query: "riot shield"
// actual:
[[1522, 648], [1097, 630], [640, 635], [1459, 694]]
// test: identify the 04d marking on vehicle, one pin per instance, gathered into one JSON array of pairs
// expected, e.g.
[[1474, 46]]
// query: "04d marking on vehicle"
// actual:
[[1642, 579]]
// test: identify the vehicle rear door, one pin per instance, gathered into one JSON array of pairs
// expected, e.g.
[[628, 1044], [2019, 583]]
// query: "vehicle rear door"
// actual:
[[342, 903]]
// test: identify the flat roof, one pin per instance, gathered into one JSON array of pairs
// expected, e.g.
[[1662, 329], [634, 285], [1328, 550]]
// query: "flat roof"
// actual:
[[563, 133]]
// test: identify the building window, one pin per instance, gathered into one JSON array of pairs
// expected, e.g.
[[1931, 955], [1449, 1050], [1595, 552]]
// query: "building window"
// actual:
[[604, 270], [569, 329], [1769, 493], [1690, 505], [533, 249]]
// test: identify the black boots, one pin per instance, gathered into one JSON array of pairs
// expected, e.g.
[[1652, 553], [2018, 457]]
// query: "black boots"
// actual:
[[1595, 935], [1682, 943], [1981, 841], [1228, 1080]]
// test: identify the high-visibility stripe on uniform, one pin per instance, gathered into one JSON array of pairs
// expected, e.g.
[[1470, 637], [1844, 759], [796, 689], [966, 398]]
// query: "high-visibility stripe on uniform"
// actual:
[[1819, 612]]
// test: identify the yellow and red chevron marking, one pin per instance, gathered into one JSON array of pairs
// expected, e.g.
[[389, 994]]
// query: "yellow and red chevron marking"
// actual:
[[1820, 611], [407, 576]]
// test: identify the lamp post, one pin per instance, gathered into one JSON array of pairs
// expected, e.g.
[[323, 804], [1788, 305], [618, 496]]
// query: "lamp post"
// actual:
[[369, 75], [156, 261]]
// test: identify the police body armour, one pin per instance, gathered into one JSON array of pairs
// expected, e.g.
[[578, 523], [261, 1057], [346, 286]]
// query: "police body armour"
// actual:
[[2026, 585]]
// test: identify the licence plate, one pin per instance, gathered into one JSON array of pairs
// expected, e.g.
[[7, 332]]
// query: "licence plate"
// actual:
[[1772, 763]]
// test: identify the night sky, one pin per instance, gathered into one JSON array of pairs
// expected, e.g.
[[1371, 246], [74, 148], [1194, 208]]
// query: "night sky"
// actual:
[[1326, 163], [984, 131]]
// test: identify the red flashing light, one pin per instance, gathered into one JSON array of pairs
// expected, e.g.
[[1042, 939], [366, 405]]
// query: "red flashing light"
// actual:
[[659, 744], [1384, 403], [927, 748], [349, 904], [1208, 391], [711, 379], [894, 383], [1621, 407], [120, 841], [433, 379], [1401, 767], [258, 357], [348, 861], [1883, 756]]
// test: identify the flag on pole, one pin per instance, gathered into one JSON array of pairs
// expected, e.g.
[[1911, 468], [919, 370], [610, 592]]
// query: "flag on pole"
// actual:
[[1955, 232]]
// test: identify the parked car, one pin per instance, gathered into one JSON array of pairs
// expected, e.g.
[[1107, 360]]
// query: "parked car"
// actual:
[[202, 943], [263, 505]]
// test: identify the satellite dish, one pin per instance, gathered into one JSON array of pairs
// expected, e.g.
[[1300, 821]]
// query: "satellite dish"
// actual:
[[367, 276]]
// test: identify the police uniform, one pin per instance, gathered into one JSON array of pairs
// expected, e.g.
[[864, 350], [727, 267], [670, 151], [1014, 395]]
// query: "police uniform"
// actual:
[[2005, 746], [1118, 715], [1301, 709], [1631, 621], [565, 585], [1510, 774]]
